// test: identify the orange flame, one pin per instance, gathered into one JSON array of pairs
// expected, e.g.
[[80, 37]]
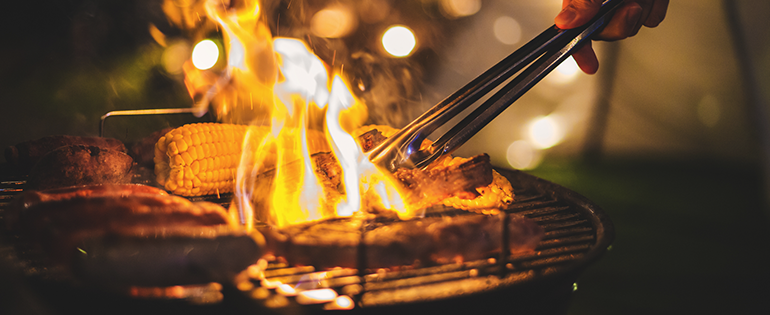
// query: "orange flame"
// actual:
[[298, 115]]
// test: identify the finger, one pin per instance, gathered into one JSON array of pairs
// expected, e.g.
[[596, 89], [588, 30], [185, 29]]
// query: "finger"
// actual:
[[586, 59], [575, 13], [653, 12], [657, 14], [646, 10], [625, 22]]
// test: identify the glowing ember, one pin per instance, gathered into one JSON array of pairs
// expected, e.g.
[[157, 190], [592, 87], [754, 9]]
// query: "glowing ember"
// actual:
[[282, 89], [316, 296], [286, 290], [343, 302]]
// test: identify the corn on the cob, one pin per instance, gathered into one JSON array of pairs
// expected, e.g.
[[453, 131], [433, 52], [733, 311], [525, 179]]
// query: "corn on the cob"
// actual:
[[202, 159], [496, 195], [199, 159]]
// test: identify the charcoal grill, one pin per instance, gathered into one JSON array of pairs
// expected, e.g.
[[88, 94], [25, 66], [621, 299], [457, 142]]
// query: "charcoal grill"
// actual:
[[577, 233]]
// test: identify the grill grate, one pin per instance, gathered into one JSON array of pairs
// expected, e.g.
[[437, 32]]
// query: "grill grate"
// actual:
[[576, 233]]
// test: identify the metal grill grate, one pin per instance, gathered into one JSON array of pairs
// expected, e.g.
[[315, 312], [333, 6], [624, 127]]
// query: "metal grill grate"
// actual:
[[576, 233]]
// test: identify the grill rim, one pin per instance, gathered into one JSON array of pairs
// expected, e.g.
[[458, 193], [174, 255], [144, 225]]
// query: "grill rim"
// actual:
[[605, 229]]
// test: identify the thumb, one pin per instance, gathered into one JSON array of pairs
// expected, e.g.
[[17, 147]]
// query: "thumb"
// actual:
[[575, 13]]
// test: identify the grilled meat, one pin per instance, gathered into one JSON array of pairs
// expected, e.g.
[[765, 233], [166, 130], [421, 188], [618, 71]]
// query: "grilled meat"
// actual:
[[24, 155], [80, 165], [359, 242]]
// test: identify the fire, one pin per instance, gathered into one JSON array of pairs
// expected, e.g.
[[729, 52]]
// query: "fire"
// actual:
[[279, 85]]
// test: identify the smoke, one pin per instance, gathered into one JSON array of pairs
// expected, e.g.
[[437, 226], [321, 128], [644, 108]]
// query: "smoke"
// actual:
[[389, 86]]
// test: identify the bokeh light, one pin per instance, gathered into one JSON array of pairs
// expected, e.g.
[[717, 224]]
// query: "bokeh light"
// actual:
[[333, 22], [566, 72], [507, 30], [522, 155], [373, 11], [174, 56], [545, 132], [460, 8], [399, 41], [205, 54]]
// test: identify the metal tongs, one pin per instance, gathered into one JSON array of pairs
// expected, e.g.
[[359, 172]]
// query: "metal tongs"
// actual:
[[542, 54]]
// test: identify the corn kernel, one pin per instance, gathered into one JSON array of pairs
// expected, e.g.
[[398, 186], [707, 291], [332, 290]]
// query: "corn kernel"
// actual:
[[199, 159], [172, 149], [187, 158], [195, 166], [178, 160], [181, 145], [173, 174], [162, 145], [196, 139]]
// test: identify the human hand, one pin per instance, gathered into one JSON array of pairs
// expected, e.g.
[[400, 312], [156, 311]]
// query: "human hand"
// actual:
[[628, 18]]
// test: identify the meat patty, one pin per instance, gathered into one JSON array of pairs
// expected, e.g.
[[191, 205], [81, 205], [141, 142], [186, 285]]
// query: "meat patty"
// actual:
[[80, 165]]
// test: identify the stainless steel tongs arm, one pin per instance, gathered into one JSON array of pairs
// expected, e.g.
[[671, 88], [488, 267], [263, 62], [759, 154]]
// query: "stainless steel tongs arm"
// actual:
[[542, 54]]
